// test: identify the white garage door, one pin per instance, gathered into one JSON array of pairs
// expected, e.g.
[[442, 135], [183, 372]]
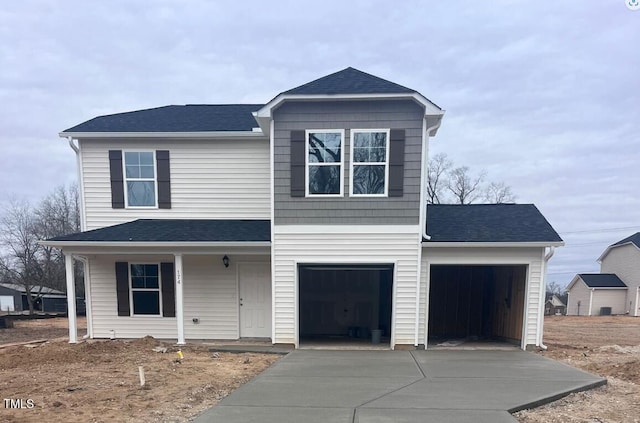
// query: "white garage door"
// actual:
[[6, 303]]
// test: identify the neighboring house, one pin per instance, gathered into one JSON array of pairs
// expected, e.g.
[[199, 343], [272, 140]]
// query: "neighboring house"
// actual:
[[554, 305], [13, 297], [616, 290], [301, 219], [10, 299], [593, 294]]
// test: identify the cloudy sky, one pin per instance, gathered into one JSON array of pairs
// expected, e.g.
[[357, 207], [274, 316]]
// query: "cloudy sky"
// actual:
[[543, 95]]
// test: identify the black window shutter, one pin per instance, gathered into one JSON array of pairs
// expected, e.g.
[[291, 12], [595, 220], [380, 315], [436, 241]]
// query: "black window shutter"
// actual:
[[122, 287], [117, 182], [297, 164], [164, 179], [168, 289], [396, 163]]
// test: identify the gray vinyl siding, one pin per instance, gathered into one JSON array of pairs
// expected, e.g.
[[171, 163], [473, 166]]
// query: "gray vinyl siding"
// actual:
[[347, 115]]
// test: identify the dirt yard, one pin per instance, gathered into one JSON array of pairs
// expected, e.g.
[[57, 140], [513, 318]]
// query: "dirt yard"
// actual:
[[607, 346], [98, 381], [30, 330]]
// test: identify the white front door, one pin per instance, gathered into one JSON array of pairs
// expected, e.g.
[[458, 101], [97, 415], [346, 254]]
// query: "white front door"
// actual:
[[255, 300]]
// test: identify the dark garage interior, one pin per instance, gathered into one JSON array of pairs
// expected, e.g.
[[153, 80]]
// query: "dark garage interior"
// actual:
[[476, 303], [345, 303]]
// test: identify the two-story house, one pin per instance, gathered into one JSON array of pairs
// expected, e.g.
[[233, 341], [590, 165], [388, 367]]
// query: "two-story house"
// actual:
[[616, 289], [300, 220]]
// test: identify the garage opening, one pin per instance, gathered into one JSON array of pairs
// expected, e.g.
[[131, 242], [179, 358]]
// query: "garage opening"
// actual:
[[345, 304], [476, 304]]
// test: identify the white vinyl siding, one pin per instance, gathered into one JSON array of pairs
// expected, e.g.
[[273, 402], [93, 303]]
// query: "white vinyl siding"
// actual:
[[614, 298], [396, 245], [532, 257], [104, 303], [579, 293], [624, 261], [210, 295], [210, 179]]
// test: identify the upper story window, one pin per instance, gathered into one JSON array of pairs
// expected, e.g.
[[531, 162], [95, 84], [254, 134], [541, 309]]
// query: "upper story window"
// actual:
[[324, 158], [369, 162], [145, 289], [140, 178]]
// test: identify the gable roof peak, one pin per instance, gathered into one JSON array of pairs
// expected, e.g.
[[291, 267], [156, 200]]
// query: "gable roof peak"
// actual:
[[635, 239], [350, 81]]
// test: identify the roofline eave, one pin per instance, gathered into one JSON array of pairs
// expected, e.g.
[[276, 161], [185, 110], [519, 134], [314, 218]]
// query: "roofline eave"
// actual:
[[467, 244], [608, 287], [431, 109], [155, 244], [256, 133]]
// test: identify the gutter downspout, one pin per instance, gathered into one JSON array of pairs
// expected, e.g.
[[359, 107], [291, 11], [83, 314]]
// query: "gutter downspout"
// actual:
[[423, 219], [543, 290], [591, 301], [76, 149], [423, 184], [637, 298]]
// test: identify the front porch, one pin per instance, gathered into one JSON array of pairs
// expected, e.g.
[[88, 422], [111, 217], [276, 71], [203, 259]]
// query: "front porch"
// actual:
[[180, 296], [173, 279]]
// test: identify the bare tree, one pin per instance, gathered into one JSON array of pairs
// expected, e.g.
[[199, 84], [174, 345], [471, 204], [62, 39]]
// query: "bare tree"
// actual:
[[20, 242], [24, 261], [465, 187], [57, 214], [437, 179], [499, 193]]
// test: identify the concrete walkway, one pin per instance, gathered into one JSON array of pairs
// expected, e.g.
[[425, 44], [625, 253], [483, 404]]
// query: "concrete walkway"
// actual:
[[400, 386]]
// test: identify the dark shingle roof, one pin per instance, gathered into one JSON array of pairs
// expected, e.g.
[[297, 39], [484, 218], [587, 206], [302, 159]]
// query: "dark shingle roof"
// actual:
[[350, 81], [172, 230], [488, 223], [602, 280], [189, 118], [635, 239]]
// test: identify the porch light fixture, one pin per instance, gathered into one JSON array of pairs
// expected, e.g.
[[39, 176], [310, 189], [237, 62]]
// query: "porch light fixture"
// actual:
[[225, 260]]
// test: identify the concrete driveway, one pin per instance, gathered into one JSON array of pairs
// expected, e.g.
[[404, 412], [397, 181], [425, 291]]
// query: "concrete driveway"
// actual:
[[400, 386]]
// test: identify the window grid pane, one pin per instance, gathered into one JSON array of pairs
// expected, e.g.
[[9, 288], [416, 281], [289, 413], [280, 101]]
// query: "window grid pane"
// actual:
[[324, 179], [140, 176], [370, 147], [146, 302], [141, 193], [325, 147], [370, 154], [369, 179], [145, 289], [324, 161]]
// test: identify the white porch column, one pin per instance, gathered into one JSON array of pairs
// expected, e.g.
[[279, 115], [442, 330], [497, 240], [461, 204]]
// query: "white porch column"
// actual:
[[179, 299], [71, 299]]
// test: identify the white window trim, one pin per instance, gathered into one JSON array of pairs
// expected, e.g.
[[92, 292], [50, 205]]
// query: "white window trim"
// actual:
[[125, 179], [159, 289], [385, 163], [306, 162]]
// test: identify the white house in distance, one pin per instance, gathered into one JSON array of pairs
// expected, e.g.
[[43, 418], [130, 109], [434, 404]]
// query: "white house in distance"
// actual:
[[302, 219], [616, 290]]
